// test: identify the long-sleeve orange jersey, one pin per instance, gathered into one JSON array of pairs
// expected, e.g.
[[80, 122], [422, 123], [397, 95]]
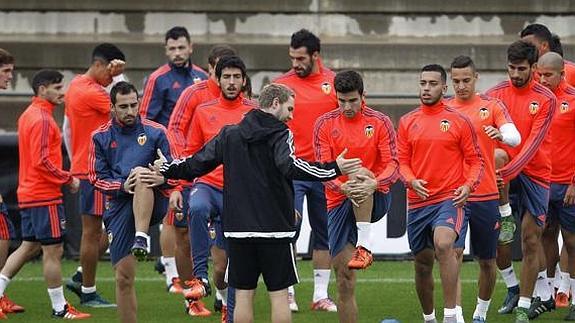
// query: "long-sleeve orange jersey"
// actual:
[[185, 108], [434, 144], [369, 135], [40, 150], [563, 136], [314, 96], [87, 108], [532, 108], [484, 111], [208, 120]]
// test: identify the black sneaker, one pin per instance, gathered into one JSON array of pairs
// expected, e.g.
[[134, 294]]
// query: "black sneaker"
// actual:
[[218, 304], [95, 300], [74, 284], [159, 267], [510, 301], [539, 307]]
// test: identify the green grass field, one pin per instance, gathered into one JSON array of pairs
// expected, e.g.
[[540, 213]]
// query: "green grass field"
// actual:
[[385, 290]]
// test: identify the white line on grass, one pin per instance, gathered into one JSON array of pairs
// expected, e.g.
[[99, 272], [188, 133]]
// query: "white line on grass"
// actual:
[[302, 280]]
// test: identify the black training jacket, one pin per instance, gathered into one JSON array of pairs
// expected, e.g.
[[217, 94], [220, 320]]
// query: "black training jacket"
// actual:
[[259, 166]]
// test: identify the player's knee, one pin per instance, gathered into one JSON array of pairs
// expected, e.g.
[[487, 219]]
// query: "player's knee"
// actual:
[[423, 267], [199, 211], [345, 281], [443, 247], [529, 244], [486, 265], [501, 158], [53, 252], [124, 281]]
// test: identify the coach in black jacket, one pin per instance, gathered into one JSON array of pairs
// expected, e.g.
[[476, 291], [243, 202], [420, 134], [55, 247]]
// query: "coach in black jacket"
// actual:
[[259, 166]]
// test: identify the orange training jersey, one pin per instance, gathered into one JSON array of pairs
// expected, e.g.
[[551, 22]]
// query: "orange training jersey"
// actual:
[[186, 105], [87, 108], [369, 135], [569, 72], [484, 111], [314, 96], [40, 174], [208, 120], [434, 143], [563, 136], [531, 108]]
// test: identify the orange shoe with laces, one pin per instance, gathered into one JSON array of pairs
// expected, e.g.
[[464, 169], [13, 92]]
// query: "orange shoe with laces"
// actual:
[[197, 308], [70, 313], [562, 300], [8, 306], [195, 289], [361, 259]]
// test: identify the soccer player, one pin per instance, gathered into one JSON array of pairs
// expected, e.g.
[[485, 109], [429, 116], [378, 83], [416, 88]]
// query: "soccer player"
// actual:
[[87, 108], [161, 92], [206, 197], [550, 68], [362, 198], [258, 215], [531, 107], [39, 191], [313, 86], [492, 125], [437, 190], [120, 152]]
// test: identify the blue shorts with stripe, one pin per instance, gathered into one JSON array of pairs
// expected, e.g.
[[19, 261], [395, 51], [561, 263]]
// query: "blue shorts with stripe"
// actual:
[[316, 210], [7, 231], [558, 210], [529, 196], [341, 224], [484, 222], [92, 201], [179, 219], [44, 224], [120, 223], [423, 220]]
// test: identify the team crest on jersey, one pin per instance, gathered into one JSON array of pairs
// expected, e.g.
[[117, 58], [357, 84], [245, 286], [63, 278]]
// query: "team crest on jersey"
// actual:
[[114, 144], [444, 125], [212, 233], [63, 224], [483, 113], [142, 138], [326, 88], [564, 107], [110, 237], [179, 215], [197, 80], [534, 107], [369, 130]]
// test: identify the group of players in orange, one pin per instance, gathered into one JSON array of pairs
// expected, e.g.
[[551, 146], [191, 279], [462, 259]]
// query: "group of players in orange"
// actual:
[[466, 160]]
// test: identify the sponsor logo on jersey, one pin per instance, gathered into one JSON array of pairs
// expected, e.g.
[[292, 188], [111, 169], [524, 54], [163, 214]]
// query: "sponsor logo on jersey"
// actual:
[[533, 107], [326, 88], [564, 107], [444, 125], [142, 138], [483, 113], [369, 130]]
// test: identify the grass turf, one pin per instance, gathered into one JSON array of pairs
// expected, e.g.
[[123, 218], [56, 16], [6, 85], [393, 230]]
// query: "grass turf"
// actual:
[[386, 290]]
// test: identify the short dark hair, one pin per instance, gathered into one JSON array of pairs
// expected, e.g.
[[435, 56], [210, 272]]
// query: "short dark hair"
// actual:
[[122, 87], [305, 38], [219, 51], [348, 81], [541, 32], [555, 45], [177, 32], [5, 57], [45, 78], [230, 61], [436, 68], [463, 61], [520, 51], [107, 52]]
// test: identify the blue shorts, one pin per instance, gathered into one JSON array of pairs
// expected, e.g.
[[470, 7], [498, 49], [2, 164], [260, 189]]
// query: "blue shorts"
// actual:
[[44, 224], [483, 218], [6, 228], [531, 197], [423, 220], [341, 224], [205, 225], [316, 210], [92, 201], [180, 219], [121, 227], [558, 210]]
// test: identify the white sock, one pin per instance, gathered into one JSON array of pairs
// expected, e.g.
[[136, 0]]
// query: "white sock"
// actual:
[[459, 314], [320, 283], [508, 276], [142, 234], [449, 313], [171, 269], [4, 281], [224, 295], [565, 284], [364, 234], [88, 290], [572, 280], [558, 278], [524, 302], [218, 296], [481, 308], [291, 290], [429, 317], [542, 286], [505, 210], [57, 298]]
